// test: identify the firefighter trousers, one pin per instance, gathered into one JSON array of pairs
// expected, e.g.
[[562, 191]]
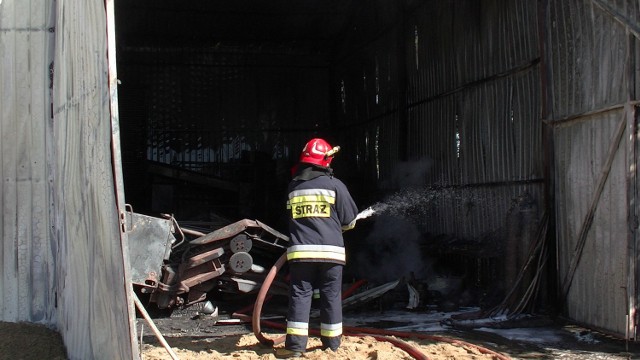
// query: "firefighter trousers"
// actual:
[[305, 276]]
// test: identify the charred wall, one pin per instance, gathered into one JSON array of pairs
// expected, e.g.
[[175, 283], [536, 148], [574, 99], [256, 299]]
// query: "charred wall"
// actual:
[[440, 101], [212, 128], [592, 52], [435, 105]]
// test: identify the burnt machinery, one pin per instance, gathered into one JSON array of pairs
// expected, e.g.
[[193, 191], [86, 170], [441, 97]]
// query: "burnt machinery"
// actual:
[[174, 267]]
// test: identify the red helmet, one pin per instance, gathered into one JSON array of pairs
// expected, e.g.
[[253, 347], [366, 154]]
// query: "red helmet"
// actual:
[[318, 151]]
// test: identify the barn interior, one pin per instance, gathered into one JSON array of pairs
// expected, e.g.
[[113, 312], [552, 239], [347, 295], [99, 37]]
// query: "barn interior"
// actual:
[[435, 105]]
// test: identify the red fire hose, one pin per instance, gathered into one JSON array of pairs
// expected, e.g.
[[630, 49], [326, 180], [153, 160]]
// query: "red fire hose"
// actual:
[[257, 308], [353, 288], [390, 336]]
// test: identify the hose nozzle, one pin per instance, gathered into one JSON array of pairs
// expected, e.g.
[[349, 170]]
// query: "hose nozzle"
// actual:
[[331, 152]]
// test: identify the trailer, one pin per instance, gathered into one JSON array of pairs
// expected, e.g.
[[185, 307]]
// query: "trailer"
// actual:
[[176, 266]]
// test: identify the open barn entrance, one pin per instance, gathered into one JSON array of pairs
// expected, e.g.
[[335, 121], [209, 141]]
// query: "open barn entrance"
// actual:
[[438, 129]]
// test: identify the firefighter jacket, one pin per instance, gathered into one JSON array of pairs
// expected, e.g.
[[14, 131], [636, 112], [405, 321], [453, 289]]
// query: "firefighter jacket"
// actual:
[[320, 208]]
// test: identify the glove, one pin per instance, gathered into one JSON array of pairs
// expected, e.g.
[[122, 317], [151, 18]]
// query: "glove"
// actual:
[[350, 226]]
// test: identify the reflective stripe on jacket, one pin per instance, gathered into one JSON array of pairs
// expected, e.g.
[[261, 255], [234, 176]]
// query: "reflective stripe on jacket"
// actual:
[[316, 252], [319, 208], [311, 203]]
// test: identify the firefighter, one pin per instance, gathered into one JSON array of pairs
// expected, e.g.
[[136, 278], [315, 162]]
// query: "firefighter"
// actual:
[[320, 208]]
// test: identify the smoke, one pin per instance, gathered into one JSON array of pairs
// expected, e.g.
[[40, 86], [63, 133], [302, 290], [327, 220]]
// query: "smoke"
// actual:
[[391, 251], [393, 247], [409, 177]]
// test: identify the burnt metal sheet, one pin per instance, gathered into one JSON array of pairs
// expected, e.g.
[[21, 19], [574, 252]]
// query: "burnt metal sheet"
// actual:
[[469, 127], [149, 239], [590, 48], [369, 295], [595, 297], [259, 232], [587, 49]]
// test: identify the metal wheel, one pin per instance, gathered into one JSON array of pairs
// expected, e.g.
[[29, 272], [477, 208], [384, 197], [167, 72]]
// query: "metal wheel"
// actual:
[[240, 262], [240, 243]]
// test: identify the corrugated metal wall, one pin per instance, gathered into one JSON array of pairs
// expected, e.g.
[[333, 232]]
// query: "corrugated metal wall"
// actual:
[[206, 106], [453, 86], [92, 288], [27, 291], [235, 114], [592, 61], [62, 256], [450, 87]]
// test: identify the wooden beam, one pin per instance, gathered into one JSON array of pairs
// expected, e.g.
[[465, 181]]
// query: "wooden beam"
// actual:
[[619, 17], [581, 117], [194, 177], [153, 326]]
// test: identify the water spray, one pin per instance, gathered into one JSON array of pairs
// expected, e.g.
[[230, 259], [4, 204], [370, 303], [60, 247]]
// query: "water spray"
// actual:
[[413, 201], [371, 210]]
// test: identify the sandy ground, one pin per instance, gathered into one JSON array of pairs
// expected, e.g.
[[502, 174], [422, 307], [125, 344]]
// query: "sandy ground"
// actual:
[[31, 341], [203, 337], [247, 347], [200, 340], [24, 341]]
